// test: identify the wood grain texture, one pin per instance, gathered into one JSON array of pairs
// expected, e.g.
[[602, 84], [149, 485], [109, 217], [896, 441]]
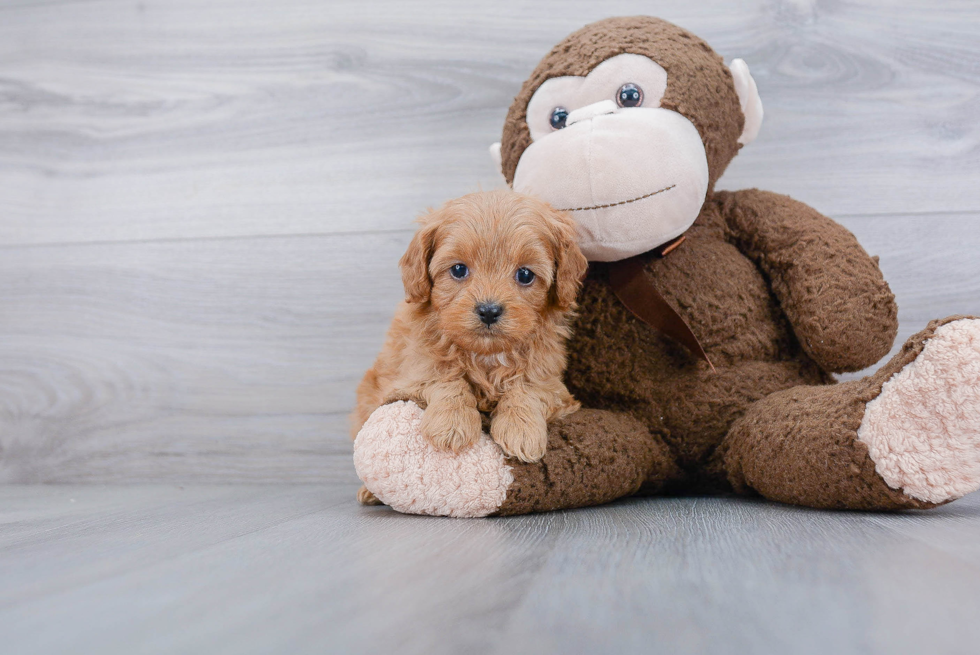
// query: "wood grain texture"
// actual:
[[148, 120], [237, 359], [304, 569], [211, 359], [202, 205]]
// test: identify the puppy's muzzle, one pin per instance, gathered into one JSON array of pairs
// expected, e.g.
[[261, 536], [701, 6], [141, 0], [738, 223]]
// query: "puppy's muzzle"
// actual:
[[489, 312]]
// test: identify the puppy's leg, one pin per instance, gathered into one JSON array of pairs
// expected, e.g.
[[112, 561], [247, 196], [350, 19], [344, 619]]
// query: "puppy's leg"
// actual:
[[520, 426], [451, 420], [410, 393], [367, 401], [365, 497]]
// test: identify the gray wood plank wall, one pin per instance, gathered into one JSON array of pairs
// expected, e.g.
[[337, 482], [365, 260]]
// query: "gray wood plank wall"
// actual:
[[202, 204]]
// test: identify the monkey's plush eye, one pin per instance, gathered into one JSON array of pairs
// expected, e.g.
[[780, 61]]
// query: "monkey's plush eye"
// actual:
[[558, 116], [629, 95], [524, 276], [459, 271]]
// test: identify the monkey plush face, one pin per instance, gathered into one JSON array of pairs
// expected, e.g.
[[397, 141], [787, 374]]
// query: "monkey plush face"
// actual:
[[633, 174], [626, 125]]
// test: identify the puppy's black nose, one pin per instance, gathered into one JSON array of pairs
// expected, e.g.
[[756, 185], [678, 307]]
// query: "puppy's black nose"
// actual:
[[489, 312]]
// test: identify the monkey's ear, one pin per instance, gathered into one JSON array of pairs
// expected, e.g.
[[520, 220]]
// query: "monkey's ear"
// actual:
[[415, 262], [570, 263], [748, 98], [495, 156]]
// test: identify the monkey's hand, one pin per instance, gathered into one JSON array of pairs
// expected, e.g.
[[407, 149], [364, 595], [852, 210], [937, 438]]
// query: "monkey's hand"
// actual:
[[833, 293]]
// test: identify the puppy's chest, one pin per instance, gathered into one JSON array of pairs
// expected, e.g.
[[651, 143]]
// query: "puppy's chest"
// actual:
[[491, 376]]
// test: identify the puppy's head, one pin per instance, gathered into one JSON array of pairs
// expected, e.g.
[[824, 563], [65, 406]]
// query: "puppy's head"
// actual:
[[494, 267]]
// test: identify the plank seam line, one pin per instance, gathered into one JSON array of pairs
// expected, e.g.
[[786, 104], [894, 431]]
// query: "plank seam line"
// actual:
[[237, 237]]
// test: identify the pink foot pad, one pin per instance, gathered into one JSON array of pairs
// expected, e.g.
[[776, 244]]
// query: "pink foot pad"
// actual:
[[923, 430], [406, 473]]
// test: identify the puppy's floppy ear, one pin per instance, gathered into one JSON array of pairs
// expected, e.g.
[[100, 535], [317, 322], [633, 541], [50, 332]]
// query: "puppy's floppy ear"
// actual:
[[570, 263], [415, 262]]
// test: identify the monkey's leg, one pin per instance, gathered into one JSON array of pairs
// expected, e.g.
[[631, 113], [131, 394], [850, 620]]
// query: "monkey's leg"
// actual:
[[906, 437], [593, 457]]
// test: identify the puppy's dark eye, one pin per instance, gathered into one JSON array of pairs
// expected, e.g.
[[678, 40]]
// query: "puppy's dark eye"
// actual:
[[629, 95], [558, 116], [459, 271], [524, 276]]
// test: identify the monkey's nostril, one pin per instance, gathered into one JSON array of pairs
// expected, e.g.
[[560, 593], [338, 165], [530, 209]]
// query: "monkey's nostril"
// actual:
[[489, 312]]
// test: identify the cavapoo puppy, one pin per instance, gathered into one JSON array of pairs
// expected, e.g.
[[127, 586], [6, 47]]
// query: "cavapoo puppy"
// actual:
[[490, 282]]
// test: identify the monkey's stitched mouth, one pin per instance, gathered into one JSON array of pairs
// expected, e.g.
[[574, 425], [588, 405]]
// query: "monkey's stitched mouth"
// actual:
[[621, 202]]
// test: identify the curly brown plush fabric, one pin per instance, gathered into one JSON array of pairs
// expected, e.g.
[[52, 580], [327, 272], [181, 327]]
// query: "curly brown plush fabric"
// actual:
[[781, 298], [779, 295], [842, 311], [593, 457], [740, 311], [817, 461]]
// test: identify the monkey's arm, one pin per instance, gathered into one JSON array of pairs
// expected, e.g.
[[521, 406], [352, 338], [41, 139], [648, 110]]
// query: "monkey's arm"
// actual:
[[832, 291], [593, 457]]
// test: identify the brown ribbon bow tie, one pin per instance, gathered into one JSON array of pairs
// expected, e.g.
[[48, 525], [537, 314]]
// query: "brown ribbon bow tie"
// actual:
[[637, 292]]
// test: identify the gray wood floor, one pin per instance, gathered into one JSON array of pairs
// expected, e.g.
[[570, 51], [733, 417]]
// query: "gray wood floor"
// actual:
[[303, 569], [201, 209], [202, 205]]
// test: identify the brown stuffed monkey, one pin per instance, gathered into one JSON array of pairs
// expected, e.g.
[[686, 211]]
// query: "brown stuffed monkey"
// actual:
[[711, 322]]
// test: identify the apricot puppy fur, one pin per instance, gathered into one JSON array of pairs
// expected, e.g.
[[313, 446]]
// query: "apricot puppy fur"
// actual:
[[490, 282]]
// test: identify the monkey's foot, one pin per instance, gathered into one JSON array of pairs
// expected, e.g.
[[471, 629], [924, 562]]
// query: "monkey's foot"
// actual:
[[923, 430], [402, 469]]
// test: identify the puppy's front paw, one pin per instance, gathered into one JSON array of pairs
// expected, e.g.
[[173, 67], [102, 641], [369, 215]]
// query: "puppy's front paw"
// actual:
[[406, 395], [521, 434], [451, 428]]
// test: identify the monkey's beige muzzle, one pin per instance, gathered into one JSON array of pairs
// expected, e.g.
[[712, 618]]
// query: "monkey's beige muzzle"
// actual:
[[631, 178]]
